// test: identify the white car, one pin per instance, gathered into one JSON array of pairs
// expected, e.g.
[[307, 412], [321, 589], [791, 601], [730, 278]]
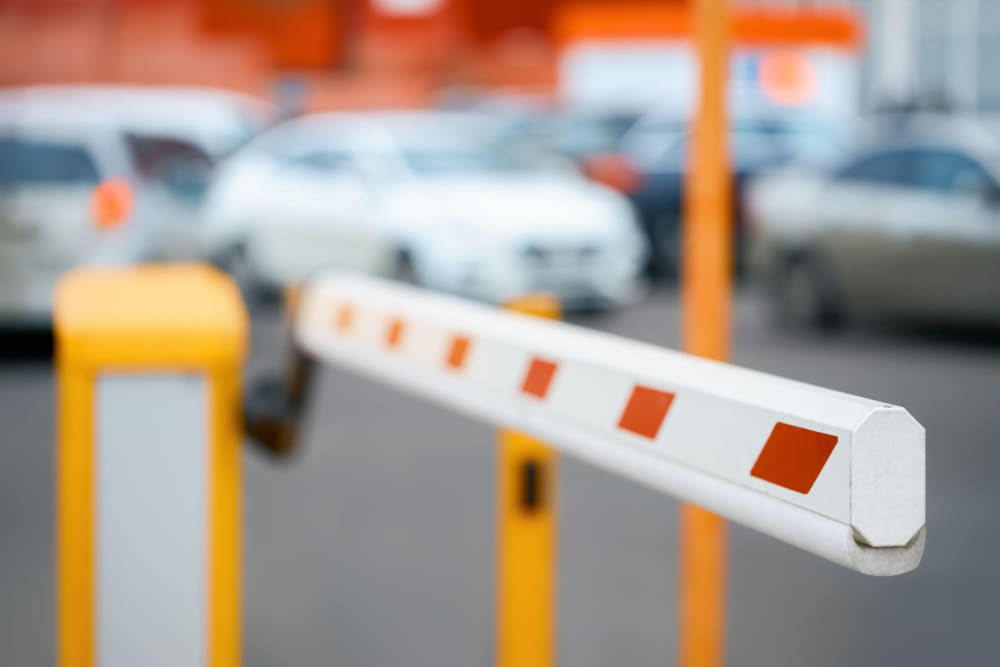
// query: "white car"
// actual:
[[98, 175], [436, 197]]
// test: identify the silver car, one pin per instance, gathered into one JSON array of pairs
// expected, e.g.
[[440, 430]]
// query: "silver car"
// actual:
[[908, 229]]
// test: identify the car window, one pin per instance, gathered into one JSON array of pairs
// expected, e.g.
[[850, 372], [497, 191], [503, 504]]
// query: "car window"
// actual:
[[453, 160], [648, 144], [747, 146], [442, 154], [583, 136], [181, 166], [31, 162], [951, 172], [885, 168], [764, 143], [154, 156]]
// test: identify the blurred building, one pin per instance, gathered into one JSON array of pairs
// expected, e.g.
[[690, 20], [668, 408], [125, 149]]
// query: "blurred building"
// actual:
[[841, 54], [933, 52]]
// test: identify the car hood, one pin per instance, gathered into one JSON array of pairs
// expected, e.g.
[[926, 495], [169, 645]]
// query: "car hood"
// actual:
[[516, 205]]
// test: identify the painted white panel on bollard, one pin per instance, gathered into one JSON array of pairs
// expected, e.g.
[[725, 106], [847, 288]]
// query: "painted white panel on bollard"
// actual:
[[151, 526]]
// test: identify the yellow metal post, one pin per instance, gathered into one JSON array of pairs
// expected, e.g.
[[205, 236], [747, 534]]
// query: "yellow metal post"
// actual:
[[706, 277], [178, 332], [526, 537]]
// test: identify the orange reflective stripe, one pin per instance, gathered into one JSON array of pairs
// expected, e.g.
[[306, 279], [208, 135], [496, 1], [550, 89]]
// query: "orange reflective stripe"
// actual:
[[394, 334], [539, 377], [645, 411], [458, 351], [793, 457], [345, 318]]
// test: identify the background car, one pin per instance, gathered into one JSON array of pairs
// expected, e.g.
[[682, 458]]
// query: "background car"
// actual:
[[69, 155], [454, 208], [657, 149], [908, 229]]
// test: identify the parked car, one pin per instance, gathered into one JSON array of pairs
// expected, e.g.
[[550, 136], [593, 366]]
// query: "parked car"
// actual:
[[95, 175], [433, 197], [907, 229], [171, 138], [657, 149]]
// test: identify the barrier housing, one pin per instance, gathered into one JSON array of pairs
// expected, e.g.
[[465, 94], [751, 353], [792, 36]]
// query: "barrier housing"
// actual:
[[149, 476]]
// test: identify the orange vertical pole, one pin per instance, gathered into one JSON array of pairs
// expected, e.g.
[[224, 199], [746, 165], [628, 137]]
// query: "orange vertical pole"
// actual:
[[526, 536], [706, 278]]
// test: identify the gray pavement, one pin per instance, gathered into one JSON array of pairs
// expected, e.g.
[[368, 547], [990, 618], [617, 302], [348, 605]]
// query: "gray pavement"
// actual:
[[374, 548]]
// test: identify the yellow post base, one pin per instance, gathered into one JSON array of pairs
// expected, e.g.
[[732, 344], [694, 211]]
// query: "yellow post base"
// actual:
[[526, 536], [526, 595]]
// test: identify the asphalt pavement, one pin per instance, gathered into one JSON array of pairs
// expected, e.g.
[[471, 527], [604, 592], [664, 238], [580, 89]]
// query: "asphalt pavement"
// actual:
[[374, 546]]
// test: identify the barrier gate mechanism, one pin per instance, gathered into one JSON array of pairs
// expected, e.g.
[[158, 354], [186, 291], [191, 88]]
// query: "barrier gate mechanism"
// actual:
[[836, 475], [149, 475]]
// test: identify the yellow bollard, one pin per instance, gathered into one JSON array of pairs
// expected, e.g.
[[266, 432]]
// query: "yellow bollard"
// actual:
[[706, 279], [526, 536], [149, 475]]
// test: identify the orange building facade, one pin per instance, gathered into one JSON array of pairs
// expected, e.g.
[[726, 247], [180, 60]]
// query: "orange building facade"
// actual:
[[348, 52]]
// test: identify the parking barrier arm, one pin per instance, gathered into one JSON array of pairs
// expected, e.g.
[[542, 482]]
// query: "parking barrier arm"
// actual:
[[834, 474]]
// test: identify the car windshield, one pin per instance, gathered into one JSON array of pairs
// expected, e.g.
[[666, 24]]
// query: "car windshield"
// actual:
[[751, 142], [580, 135], [431, 160], [778, 141], [443, 148], [760, 143], [33, 162]]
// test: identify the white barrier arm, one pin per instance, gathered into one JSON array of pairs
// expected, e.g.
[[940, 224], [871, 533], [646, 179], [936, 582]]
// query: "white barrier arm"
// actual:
[[833, 474]]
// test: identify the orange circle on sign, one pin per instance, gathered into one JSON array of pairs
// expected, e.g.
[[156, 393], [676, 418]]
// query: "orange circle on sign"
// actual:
[[787, 78]]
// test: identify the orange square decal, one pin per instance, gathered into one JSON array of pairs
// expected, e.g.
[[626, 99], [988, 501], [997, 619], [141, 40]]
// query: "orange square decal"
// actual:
[[793, 457], [394, 334], [345, 318], [539, 377], [458, 351], [645, 411]]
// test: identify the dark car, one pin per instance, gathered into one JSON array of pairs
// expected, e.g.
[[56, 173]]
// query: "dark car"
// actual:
[[658, 148]]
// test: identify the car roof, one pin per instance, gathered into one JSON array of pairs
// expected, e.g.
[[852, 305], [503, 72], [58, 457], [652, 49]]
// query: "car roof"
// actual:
[[210, 117], [392, 126], [396, 118], [934, 131]]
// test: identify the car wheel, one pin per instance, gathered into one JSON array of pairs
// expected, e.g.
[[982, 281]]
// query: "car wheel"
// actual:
[[666, 241], [806, 295]]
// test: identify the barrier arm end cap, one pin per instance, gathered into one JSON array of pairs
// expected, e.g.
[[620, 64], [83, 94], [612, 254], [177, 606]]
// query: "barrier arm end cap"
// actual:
[[888, 478]]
